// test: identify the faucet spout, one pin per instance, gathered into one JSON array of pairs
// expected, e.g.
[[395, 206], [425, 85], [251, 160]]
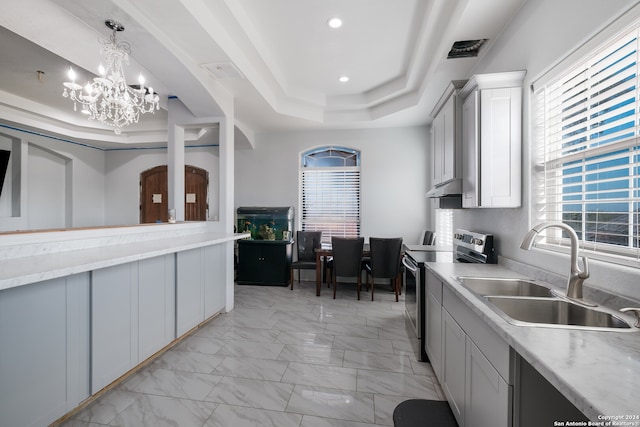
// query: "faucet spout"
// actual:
[[576, 275]]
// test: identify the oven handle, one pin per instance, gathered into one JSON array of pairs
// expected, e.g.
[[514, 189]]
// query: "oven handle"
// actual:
[[411, 266]]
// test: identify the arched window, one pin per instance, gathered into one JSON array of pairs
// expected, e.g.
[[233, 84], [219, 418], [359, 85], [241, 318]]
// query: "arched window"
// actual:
[[329, 188]]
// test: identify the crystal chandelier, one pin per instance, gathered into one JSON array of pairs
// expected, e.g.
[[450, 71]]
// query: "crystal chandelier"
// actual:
[[108, 99]]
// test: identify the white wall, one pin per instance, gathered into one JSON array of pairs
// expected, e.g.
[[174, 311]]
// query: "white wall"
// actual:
[[122, 176], [393, 175], [543, 33], [83, 182]]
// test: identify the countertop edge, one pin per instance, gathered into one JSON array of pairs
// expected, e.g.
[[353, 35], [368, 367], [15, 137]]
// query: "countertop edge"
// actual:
[[17, 272]]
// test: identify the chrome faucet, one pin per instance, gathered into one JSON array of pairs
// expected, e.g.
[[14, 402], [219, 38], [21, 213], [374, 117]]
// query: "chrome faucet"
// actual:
[[576, 275]]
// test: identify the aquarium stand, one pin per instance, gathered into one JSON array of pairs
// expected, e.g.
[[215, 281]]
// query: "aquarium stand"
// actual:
[[264, 262]]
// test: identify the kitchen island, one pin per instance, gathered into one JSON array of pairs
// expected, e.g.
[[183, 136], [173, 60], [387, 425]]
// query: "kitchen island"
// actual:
[[81, 308], [598, 372]]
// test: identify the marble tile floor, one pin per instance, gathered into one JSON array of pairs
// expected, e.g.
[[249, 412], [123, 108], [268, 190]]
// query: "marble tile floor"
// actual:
[[281, 358]]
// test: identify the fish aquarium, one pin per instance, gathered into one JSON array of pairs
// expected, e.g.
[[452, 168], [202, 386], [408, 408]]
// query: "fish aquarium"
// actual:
[[266, 223]]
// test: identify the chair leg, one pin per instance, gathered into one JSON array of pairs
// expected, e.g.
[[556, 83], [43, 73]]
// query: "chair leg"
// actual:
[[373, 285], [335, 283], [358, 284], [291, 278], [395, 281]]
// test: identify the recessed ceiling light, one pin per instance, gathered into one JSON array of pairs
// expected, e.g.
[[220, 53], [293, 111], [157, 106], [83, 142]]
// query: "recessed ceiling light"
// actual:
[[334, 22], [343, 79]]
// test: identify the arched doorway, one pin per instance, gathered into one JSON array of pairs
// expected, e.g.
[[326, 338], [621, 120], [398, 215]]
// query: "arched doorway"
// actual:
[[154, 194]]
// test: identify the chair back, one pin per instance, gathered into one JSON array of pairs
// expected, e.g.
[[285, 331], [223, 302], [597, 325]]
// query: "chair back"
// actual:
[[307, 243], [428, 238], [347, 256], [385, 257]]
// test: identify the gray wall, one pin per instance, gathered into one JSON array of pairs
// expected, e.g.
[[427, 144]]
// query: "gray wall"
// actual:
[[542, 34], [393, 175], [122, 176]]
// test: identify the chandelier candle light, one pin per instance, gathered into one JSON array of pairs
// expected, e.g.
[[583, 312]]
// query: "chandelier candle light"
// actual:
[[108, 99]]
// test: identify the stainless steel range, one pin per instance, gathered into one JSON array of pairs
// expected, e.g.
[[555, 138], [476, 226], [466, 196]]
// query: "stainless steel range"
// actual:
[[468, 246]]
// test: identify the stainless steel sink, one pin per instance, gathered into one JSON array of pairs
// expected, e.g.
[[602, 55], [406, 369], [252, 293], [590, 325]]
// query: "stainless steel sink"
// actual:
[[557, 312], [484, 286]]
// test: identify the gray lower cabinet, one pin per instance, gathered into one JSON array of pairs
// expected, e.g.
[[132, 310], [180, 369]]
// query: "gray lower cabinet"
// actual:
[[114, 331], [200, 286], [488, 395], [132, 318], [44, 350], [475, 371], [64, 339], [453, 381]]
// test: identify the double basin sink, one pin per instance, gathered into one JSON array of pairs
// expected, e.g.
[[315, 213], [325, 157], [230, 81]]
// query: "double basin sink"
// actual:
[[527, 303]]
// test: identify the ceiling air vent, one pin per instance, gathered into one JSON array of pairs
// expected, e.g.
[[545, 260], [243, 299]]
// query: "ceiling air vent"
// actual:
[[465, 48], [223, 70]]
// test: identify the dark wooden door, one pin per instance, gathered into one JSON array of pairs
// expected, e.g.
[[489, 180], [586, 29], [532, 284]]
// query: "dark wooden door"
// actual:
[[196, 181], [154, 194]]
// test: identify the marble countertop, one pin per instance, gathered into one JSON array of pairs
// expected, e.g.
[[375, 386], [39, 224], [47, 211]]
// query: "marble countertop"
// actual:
[[598, 371], [19, 271]]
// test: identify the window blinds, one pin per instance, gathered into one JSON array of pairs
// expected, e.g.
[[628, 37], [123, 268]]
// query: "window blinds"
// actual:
[[587, 131], [331, 201]]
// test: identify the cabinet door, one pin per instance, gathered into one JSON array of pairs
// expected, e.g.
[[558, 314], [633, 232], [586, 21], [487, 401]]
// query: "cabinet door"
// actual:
[[214, 280], [437, 144], [250, 262], [433, 341], [449, 140], [454, 342], [156, 296], [189, 290], [500, 147], [488, 396], [470, 151], [433, 327], [114, 327], [273, 263]]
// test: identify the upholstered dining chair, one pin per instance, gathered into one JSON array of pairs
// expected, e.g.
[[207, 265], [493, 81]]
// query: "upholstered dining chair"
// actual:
[[347, 260], [385, 262], [307, 242]]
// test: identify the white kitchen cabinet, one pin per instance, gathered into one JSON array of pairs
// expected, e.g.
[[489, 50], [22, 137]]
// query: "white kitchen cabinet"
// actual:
[[492, 140], [433, 328], [445, 135]]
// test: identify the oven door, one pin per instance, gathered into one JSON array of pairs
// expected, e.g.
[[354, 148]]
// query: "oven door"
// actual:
[[412, 293]]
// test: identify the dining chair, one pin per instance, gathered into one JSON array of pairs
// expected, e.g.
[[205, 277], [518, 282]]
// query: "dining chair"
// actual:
[[385, 262], [427, 237], [306, 242], [347, 260]]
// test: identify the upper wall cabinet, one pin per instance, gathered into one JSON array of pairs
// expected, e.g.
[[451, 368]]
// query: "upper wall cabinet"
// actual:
[[445, 136], [492, 140]]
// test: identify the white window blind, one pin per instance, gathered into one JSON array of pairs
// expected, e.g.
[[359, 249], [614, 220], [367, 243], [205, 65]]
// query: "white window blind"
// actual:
[[586, 126], [330, 192], [444, 228]]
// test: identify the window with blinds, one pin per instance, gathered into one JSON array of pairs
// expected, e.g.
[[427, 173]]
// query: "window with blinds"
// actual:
[[587, 130], [330, 192]]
